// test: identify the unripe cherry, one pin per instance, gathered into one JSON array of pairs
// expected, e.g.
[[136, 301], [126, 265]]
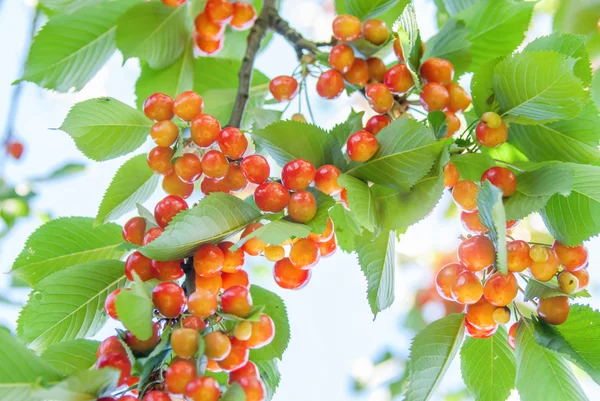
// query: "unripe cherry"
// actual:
[[459, 98], [298, 117], [446, 277], [467, 289], [139, 346], [208, 260], [254, 246], [202, 303], [500, 289], [437, 70], [546, 269], [361, 146], [134, 229], [434, 97], [472, 222], [377, 69], [573, 258], [217, 345], [399, 79], [491, 137], [205, 130], [465, 195], [302, 207], [283, 88], [243, 330], [554, 310], [164, 133], [298, 174], [358, 74], [219, 11], [538, 253], [232, 142], [502, 178], [518, 258], [346, 28], [568, 282], [326, 179], [271, 197], [341, 58], [380, 98], [255, 168], [169, 299], [238, 278], [273, 253], [289, 277], [377, 123], [330, 84], [502, 315], [184, 342], [244, 15], [376, 31], [215, 164], [178, 375], [477, 253], [188, 167], [304, 254], [451, 175], [168, 208], [236, 301], [232, 260], [491, 119], [188, 105], [173, 185], [159, 160], [159, 107]]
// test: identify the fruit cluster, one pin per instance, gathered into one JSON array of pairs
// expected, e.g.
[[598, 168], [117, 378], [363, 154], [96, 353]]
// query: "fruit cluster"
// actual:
[[475, 282]]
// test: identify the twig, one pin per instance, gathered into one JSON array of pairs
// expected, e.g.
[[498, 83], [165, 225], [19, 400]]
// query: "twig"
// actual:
[[283, 28]]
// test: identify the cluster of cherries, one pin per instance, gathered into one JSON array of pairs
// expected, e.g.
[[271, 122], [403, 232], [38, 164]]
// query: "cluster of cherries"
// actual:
[[14, 149], [486, 292]]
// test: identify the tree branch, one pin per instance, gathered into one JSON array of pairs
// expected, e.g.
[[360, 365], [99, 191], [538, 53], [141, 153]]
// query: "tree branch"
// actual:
[[283, 28]]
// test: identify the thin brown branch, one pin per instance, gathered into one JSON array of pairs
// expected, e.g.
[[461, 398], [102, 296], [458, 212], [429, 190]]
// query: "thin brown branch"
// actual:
[[283, 28]]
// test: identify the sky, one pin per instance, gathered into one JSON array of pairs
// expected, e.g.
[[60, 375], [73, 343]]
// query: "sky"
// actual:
[[333, 332]]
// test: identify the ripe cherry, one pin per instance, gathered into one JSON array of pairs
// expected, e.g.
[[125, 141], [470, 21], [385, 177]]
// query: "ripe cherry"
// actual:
[[235, 180], [288, 276], [188, 105], [328, 248], [244, 16], [118, 362], [573, 258], [212, 283], [205, 130], [212, 185], [217, 345], [452, 123], [502, 315], [446, 277], [255, 168], [193, 322], [358, 74], [159, 107], [184, 342], [512, 335], [283, 88], [173, 185], [554, 310], [254, 246], [171, 3], [110, 345], [236, 300], [377, 123], [491, 137], [263, 332], [253, 387], [109, 304], [326, 179], [215, 164], [273, 253], [465, 195], [302, 207], [298, 174], [583, 278], [326, 235], [451, 175], [399, 79], [437, 70], [208, 260], [202, 303], [152, 234], [472, 222], [346, 28], [139, 346], [502, 178], [467, 289], [376, 31], [434, 97], [361, 146], [481, 314], [178, 375], [169, 299], [164, 133], [568, 282], [188, 167], [304, 254], [243, 330], [233, 260], [518, 256], [166, 271], [380, 98], [208, 29], [474, 332], [159, 159], [237, 278], [134, 229], [208, 47], [459, 98], [232, 142], [545, 269], [203, 388], [238, 356], [398, 49], [271, 197], [219, 11], [377, 69], [477, 253], [248, 370], [330, 84], [341, 58], [500, 289], [168, 208], [15, 149]]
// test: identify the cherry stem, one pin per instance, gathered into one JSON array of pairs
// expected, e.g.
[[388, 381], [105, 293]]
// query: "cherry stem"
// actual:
[[509, 165]]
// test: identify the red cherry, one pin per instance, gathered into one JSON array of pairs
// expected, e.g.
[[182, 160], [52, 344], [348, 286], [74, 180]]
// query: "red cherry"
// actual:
[[358, 74], [193, 322], [380, 98], [326, 179], [361, 146], [188, 167], [465, 195], [188, 105], [399, 79], [232, 142], [244, 16], [143, 346], [167, 271], [159, 107], [134, 229], [208, 47], [328, 248], [304, 254], [169, 299], [377, 69], [203, 388], [254, 246], [467, 289], [254, 390], [232, 260], [215, 164], [109, 304], [452, 123], [377, 123], [255, 168], [152, 234], [170, 3], [289, 277], [238, 356], [178, 375], [451, 175], [437, 70], [502, 178], [283, 88], [475, 332], [205, 130], [573, 258], [271, 197], [459, 98], [341, 58], [208, 260], [330, 84], [263, 332], [138, 263], [477, 253], [116, 361], [159, 160], [346, 28], [110, 345], [248, 370], [236, 301], [15, 149], [302, 207], [491, 137], [298, 174], [445, 279], [173, 185], [164, 133], [512, 335], [219, 11], [238, 278], [208, 29], [168, 208], [156, 396], [434, 97]]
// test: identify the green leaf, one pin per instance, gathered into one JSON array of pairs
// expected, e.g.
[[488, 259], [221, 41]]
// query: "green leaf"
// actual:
[[69, 304], [154, 33], [437, 124], [431, 354], [451, 43], [213, 219], [176, 78], [472, 165], [269, 373], [539, 290], [158, 357], [579, 17], [536, 364], [65, 242], [289, 140], [456, 6], [493, 216], [576, 339], [407, 151], [360, 201], [275, 308], [595, 89], [71, 48], [346, 227], [276, 232], [365, 9], [133, 183], [262, 118], [388, 16], [105, 128], [66, 170], [146, 215], [71, 356], [233, 393], [20, 369], [68, 6], [488, 367], [410, 40], [351, 125], [377, 258], [496, 28], [87, 385], [134, 308], [576, 218], [543, 89], [482, 88]]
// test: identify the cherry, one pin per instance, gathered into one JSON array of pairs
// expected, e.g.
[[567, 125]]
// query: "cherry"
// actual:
[[434, 97], [474, 332], [255, 168], [244, 16], [538, 253], [518, 256], [568, 282], [127, 397], [481, 314], [452, 123], [254, 246], [143, 346], [273, 253], [377, 123], [298, 117], [173, 3], [152, 234], [248, 370], [15, 149], [546, 269], [193, 322], [330, 84], [253, 387], [159, 160], [491, 137], [233, 260], [502, 178], [238, 356], [159, 107], [328, 248], [283, 88], [326, 179], [212, 185], [213, 366], [164, 133], [377, 69], [446, 277], [243, 331], [346, 28], [166, 271], [203, 388], [583, 277], [208, 260], [208, 29], [554, 310], [287, 276], [168, 208], [272, 196], [302, 207], [236, 301], [237, 278], [188, 105], [117, 361], [205, 130], [263, 332], [173, 185], [188, 167], [573, 258], [134, 229], [399, 79], [472, 223], [467, 289], [178, 375], [451, 175], [341, 58], [298, 174], [217, 345], [304, 254], [510, 224], [109, 304], [398, 49], [184, 342], [512, 335], [465, 195], [477, 253], [502, 315], [208, 47], [358, 74], [500, 289], [344, 199], [459, 98], [437, 70], [380, 98], [361, 146], [491, 119], [326, 235], [376, 31], [169, 299], [219, 11], [215, 164], [235, 181], [213, 283], [110, 345], [232, 142], [202, 303]]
